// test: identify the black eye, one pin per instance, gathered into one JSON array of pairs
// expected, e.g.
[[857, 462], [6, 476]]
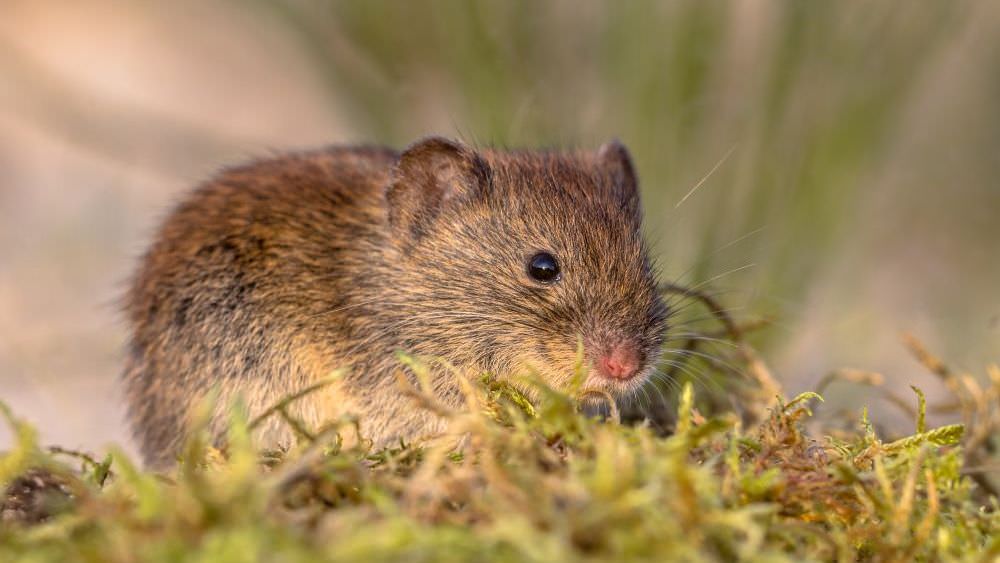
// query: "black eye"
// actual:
[[543, 267]]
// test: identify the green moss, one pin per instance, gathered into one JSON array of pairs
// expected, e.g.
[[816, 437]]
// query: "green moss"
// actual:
[[528, 482]]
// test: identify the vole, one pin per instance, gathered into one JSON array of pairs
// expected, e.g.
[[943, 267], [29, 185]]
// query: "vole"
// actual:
[[275, 273]]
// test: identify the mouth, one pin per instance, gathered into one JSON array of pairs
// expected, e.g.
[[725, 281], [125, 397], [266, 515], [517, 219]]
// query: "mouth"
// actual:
[[615, 370], [599, 384]]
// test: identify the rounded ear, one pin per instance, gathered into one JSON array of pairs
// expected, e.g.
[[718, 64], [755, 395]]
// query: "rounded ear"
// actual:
[[616, 161], [430, 173]]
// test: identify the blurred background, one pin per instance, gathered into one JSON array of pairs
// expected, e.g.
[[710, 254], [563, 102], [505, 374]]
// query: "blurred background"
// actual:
[[846, 155]]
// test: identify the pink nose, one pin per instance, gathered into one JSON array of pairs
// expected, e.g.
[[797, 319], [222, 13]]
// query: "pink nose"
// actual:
[[619, 362]]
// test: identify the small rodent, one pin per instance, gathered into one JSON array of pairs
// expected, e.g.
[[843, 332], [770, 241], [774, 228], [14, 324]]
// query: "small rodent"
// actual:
[[274, 274]]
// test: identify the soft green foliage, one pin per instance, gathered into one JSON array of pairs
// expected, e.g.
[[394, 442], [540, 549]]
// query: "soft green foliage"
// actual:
[[850, 132], [538, 484]]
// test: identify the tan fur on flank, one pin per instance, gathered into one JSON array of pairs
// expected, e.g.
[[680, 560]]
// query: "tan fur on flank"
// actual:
[[274, 274]]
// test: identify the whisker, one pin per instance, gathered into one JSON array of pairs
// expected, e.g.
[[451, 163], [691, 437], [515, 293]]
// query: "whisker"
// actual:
[[689, 371], [720, 276], [740, 239], [663, 400], [709, 357], [697, 377], [700, 338], [690, 269], [704, 179], [688, 322], [671, 384]]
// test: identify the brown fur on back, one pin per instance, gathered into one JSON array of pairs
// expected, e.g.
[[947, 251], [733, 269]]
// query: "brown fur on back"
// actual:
[[274, 274]]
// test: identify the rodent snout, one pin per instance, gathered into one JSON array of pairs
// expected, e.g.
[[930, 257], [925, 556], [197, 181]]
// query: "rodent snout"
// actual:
[[620, 361]]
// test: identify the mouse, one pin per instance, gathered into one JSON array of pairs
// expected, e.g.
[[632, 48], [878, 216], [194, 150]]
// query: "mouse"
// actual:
[[276, 273]]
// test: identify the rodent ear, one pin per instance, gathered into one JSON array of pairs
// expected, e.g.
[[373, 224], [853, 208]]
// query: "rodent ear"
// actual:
[[430, 173], [615, 159]]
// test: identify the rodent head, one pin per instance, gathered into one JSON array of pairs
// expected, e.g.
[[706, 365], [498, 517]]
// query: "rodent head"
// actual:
[[505, 261]]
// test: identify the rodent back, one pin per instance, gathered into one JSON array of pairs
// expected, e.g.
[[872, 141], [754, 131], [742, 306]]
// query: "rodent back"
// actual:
[[234, 293], [281, 237]]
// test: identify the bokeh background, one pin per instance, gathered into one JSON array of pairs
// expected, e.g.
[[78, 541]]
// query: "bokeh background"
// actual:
[[855, 149]]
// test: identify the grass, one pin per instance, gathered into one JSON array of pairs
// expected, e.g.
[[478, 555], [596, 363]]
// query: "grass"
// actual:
[[532, 481]]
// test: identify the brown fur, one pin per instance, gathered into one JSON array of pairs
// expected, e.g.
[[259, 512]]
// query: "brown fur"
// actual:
[[274, 274]]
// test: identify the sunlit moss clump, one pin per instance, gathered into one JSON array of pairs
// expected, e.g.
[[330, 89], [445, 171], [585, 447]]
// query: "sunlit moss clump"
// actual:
[[522, 484]]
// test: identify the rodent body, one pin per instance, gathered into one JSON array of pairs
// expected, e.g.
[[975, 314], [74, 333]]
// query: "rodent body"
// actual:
[[275, 274]]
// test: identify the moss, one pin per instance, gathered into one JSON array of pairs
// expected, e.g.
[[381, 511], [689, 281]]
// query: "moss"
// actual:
[[527, 482]]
